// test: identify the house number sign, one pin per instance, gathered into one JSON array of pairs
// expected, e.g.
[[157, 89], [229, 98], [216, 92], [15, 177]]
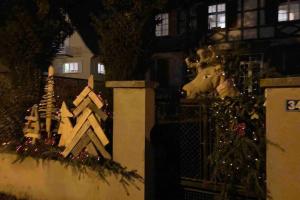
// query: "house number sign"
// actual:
[[293, 105]]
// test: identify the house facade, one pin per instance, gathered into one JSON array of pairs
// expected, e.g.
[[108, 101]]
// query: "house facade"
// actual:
[[76, 61], [264, 34]]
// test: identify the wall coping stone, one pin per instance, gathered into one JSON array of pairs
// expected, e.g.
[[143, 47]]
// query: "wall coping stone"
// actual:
[[280, 82], [131, 84]]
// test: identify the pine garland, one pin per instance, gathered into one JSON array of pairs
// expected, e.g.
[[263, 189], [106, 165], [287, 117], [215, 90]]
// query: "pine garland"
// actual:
[[81, 164], [238, 158]]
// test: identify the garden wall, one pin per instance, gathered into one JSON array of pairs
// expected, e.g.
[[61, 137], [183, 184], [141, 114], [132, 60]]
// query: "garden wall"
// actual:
[[51, 180], [133, 120]]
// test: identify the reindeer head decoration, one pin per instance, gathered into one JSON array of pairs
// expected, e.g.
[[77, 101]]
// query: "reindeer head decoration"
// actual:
[[210, 76]]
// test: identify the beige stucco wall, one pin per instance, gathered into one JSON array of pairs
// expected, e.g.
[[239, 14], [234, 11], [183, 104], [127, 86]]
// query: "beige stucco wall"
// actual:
[[52, 181], [283, 128], [134, 117]]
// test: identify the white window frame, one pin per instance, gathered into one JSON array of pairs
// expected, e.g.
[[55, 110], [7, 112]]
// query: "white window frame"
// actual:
[[100, 68], [215, 12], [162, 26], [71, 68], [287, 14]]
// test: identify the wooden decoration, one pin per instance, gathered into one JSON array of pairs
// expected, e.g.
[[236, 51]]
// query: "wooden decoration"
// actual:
[[65, 126], [76, 139], [32, 126], [96, 100], [98, 130], [98, 112], [91, 149], [87, 132], [98, 144], [79, 124], [51, 71], [82, 95], [81, 107], [47, 107], [91, 82]]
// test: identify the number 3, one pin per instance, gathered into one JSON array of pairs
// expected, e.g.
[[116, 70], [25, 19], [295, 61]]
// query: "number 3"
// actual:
[[291, 105]]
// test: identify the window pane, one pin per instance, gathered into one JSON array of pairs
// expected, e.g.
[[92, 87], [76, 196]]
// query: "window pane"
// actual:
[[283, 13], [162, 26], [294, 11], [70, 67], [217, 17], [221, 7], [165, 32], [282, 17], [221, 20], [250, 19], [76, 67], [101, 68], [212, 21], [66, 67], [212, 9], [221, 24]]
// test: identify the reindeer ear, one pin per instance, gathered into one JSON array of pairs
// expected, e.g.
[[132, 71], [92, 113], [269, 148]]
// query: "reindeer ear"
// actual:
[[200, 53]]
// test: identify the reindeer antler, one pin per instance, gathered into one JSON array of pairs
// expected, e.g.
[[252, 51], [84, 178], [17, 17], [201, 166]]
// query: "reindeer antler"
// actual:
[[191, 64]]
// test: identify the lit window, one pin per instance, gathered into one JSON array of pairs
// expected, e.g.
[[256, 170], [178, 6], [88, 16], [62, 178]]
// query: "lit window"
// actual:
[[216, 16], [289, 11], [162, 26], [71, 67], [100, 68]]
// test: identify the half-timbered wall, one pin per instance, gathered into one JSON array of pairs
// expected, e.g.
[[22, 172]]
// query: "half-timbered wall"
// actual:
[[252, 28]]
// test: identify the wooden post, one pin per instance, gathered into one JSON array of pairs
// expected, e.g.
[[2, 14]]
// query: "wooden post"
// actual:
[[134, 116]]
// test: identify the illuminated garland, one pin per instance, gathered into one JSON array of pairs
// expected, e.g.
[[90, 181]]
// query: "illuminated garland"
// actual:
[[42, 151], [238, 158]]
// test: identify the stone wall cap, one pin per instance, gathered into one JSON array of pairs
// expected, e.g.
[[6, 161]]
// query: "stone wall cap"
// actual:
[[280, 82], [131, 84]]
